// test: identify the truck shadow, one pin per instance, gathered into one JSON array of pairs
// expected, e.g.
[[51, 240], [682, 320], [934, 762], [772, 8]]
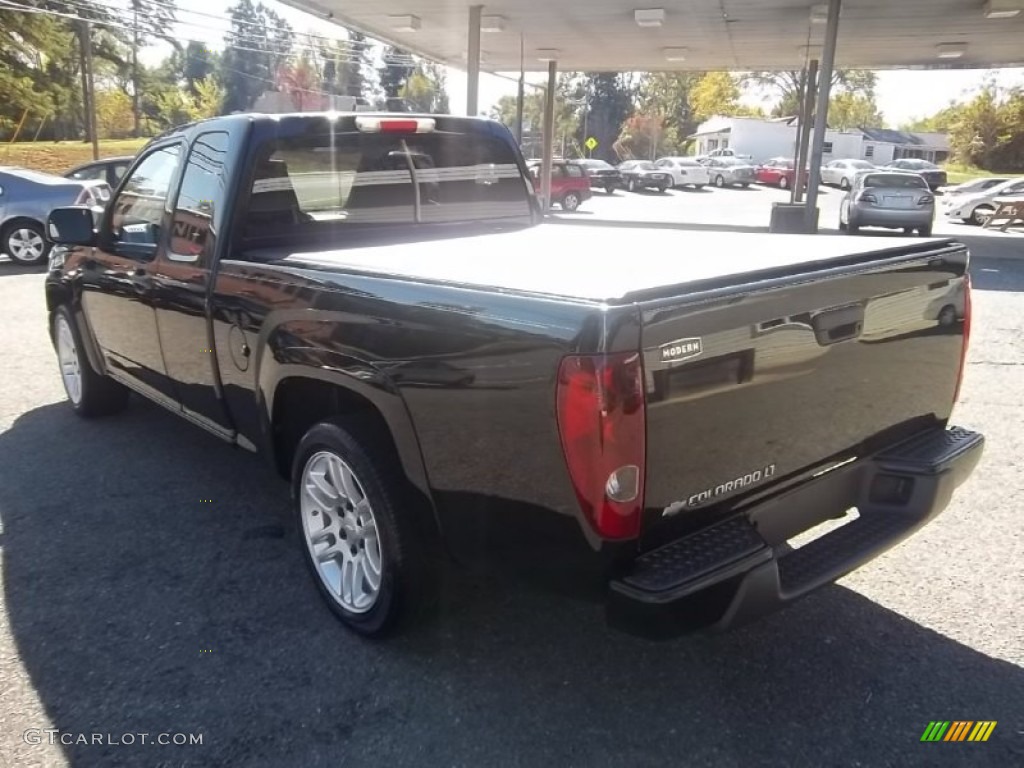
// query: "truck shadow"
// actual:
[[153, 584]]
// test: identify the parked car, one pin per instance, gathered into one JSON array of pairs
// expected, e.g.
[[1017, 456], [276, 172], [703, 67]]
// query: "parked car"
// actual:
[[570, 185], [647, 429], [109, 169], [974, 186], [724, 152], [976, 208], [685, 172], [602, 175], [892, 199], [841, 173], [779, 172], [26, 199], [935, 176], [731, 172], [643, 174]]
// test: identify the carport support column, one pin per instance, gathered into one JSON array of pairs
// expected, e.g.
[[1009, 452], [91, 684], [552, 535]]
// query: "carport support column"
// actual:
[[549, 136], [828, 59], [473, 61], [804, 137]]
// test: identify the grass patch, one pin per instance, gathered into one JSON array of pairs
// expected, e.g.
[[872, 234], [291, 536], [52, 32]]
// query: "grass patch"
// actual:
[[59, 156], [958, 174]]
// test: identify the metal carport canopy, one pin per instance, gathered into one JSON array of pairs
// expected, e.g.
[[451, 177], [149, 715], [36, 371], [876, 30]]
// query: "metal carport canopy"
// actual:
[[603, 35]]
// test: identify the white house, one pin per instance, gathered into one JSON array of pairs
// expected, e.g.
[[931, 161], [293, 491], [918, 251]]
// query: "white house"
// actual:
[[764, 139]]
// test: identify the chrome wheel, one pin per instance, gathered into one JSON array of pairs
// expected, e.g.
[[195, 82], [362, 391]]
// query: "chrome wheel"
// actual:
[[981, 214], [67, 355], [26, 245], [341, 532]]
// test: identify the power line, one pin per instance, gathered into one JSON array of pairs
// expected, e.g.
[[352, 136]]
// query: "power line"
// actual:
[[269, 49]]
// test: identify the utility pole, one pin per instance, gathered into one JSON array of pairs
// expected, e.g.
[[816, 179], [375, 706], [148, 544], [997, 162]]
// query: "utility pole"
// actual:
[[88, 89], [136, 110], [521, 92]]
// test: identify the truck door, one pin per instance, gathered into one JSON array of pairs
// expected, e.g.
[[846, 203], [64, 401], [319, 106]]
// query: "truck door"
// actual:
[[117, 275], [181, 280]]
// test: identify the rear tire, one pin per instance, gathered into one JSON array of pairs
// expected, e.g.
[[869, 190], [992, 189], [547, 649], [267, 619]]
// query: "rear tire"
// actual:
[[853, 227], [783, 183], [981, 214], [25, 242], [570, 202], [361, 523], [630, 186], [719, 181], [925, 231], [844, 183], [89, 393]]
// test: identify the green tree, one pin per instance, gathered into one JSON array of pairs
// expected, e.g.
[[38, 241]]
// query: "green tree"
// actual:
[[609, 99], [568, 112], [258, 43], [425, 89], [667, 95], [149, 19], [849, 110], [718, 93], [199, 63], [398, 67], [785, 86]]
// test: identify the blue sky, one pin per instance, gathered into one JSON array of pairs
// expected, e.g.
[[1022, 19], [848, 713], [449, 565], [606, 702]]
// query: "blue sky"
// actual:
[[902, 94]]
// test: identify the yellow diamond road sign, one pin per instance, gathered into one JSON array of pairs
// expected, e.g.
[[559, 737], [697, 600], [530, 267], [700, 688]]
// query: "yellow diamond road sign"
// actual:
[[590, 144]]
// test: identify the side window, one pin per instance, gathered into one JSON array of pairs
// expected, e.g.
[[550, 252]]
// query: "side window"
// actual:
[[557, 171], [137, 212], [574, 171], [200, 204], [89, 173]]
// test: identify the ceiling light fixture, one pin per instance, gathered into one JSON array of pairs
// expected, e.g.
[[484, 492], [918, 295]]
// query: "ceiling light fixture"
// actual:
[[492, 24], [649, 17], [950, 50], [675, 54], [405, 23], [1002, 9]]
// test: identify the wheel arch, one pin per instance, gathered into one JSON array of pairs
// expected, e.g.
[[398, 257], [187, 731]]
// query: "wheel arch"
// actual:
[[294, 395]]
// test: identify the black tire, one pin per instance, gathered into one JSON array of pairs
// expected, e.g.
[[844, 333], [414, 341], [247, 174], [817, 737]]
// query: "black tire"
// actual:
[[99, 395], [698, 187], [981, 214], [409, 584], [842, 225], [630, 186], [570, 201], [662, 190], [719, 181], [844, 183], [925, 231], [783, 182], [16, 230], [610, 189], [744, 186], [908, 230], [853, 227]]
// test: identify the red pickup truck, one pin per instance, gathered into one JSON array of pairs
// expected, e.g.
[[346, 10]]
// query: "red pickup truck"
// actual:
[[570, 184]]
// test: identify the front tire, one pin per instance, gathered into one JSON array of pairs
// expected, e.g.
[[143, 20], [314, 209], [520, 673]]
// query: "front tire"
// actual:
[[363, 528], [570, 202], [719, 181], [783, 183], [630, 186], [89, 393], [844, 183], [25, 242]]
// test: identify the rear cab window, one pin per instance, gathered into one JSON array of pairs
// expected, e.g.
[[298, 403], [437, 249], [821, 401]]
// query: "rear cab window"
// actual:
[[333, 175]]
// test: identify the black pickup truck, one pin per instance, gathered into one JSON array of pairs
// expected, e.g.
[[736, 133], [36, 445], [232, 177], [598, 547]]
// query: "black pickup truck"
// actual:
[[375, 304]]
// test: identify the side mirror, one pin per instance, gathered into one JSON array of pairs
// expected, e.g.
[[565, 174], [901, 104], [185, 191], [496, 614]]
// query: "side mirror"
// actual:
[[73, 225]]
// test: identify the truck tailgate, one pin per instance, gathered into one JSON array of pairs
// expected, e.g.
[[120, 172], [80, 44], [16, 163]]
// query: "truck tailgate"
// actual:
[[753, 386]]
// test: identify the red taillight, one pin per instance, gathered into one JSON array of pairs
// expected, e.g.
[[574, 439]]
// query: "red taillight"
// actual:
[[867, 197], [602, 424], [967, 336], [395, 125]]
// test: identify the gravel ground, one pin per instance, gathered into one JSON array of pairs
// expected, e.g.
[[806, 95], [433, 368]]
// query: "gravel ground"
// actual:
[[130, 607]]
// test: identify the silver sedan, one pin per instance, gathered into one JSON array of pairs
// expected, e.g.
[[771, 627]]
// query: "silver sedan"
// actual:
[[892, 199], [26, 199]]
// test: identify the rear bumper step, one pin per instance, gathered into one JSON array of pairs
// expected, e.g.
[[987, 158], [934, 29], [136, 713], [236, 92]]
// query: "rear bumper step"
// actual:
[[741, 568]]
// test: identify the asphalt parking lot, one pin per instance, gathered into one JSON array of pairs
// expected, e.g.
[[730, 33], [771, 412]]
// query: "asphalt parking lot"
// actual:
[[128, 606]]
